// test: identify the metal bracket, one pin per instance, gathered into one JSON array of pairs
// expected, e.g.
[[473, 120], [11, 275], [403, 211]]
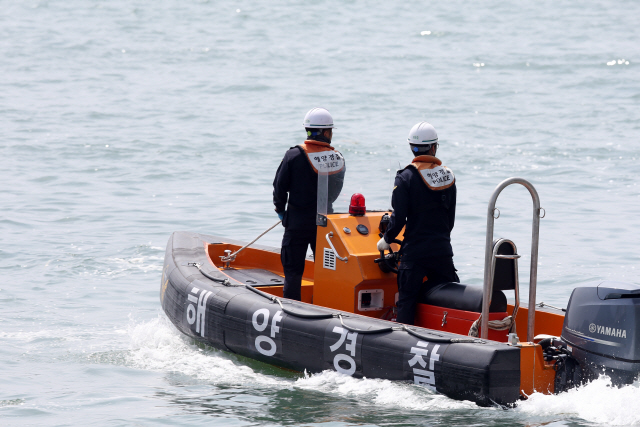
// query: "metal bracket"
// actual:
[[227, 258]]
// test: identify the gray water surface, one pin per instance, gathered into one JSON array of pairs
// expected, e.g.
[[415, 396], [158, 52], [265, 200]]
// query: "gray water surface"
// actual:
[[125, 121]]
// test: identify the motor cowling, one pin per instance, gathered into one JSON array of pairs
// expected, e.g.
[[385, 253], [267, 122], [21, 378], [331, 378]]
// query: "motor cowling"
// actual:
[[600, 330]]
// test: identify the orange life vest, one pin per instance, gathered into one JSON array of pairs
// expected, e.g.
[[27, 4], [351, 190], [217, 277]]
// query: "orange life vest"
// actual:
[[323, 157], [434, 175]]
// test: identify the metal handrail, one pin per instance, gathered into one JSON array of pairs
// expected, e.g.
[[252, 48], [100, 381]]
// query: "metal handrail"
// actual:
[[328, 237], [488, 256]]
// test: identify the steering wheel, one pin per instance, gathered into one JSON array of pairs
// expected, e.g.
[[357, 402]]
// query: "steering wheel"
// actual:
[[388, 263]]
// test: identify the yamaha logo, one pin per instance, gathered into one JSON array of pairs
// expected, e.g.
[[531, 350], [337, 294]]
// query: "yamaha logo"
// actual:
[[607, 330]]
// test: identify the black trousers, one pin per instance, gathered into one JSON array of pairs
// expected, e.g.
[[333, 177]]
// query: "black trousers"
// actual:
[[292, 255], [410, 282]]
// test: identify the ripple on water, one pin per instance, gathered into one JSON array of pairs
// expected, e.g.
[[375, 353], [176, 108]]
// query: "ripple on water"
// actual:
[[106, 105]]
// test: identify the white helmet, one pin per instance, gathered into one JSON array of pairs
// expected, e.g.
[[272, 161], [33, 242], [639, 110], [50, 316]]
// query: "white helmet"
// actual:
[[422, 134], [318, 118]]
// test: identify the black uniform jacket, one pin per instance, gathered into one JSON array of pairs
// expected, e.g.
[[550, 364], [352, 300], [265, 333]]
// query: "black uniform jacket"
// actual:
[[296, 176], [428, 214]]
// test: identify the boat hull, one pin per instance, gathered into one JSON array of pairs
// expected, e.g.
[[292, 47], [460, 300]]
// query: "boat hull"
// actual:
[[305, 337]]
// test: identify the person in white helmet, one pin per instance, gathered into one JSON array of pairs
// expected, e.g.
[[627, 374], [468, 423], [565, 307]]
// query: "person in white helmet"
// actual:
[[295, 194], [423, 199]]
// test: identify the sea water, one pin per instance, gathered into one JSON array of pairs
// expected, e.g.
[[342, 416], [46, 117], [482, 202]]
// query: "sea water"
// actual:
[[124, 121]]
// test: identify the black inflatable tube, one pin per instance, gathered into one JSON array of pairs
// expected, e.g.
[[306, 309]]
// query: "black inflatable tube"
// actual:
[[226, 282], [247, 321]]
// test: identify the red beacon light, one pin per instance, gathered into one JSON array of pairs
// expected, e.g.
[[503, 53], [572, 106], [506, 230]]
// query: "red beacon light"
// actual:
[[357, 207]]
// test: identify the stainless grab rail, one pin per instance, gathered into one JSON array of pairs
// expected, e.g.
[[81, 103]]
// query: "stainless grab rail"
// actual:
[[329, 236], [488, 254]]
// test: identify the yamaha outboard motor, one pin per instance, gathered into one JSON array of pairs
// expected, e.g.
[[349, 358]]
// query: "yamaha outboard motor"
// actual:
[[600, 331]]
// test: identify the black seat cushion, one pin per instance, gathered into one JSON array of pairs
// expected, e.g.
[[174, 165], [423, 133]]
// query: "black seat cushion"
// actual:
[[463, 297]]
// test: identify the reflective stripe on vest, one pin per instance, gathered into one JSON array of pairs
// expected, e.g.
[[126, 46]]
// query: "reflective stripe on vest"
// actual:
[[434, 175], [323, 157]]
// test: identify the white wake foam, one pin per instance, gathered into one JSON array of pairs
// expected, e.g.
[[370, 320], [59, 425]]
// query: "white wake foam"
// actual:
[[597, 402], [158, 346], [380, 392]]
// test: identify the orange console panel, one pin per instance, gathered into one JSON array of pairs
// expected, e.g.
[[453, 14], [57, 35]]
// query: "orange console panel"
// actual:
[[346, 276]]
